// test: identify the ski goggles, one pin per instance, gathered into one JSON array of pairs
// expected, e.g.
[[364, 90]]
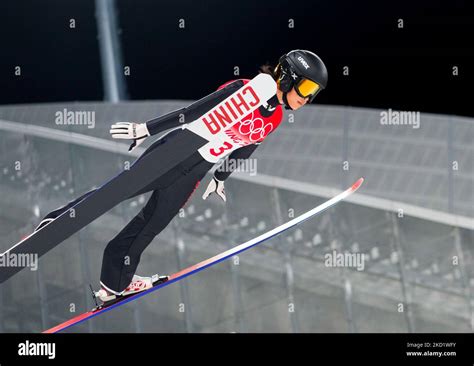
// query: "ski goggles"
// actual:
[[307, 88]]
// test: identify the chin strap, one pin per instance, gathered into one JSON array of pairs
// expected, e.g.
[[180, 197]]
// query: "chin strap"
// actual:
[[285, 100]]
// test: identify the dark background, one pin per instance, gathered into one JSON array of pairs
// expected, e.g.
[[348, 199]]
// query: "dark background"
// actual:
[[408, 69]]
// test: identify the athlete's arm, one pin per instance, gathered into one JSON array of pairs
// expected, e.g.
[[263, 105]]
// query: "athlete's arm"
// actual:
[[193, 111], [138, 132], [238, 155], [216, 185]]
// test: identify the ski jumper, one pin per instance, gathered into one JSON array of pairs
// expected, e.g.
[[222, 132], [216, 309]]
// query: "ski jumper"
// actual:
[[173, 189]]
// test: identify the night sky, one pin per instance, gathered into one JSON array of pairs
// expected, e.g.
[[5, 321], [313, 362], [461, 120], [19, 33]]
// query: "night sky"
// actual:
[[408, 69]]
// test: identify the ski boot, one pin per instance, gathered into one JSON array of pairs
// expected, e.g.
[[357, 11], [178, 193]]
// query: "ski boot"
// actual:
[[138, 284]]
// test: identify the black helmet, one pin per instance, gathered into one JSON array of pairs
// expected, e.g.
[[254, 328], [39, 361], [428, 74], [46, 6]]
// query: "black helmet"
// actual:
[[303, 70]]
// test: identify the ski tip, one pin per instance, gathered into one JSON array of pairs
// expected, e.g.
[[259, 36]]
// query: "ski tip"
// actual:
[[357, 184]]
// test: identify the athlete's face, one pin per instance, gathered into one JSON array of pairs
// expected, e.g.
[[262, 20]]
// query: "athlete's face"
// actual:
[[294, 100]]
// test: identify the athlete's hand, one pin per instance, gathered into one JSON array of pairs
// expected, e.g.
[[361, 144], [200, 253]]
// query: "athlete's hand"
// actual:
[[137, 132], [215, 186]]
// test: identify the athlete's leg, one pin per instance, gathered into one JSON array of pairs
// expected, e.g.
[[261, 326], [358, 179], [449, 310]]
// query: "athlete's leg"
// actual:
[[150, 187], [122, 254]]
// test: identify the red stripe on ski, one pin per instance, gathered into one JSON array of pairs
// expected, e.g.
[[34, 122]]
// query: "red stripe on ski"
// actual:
[[357, 184], [70, 322]]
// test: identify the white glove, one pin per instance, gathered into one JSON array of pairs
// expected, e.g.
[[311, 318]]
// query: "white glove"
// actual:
[[137, 132], [215, 186]]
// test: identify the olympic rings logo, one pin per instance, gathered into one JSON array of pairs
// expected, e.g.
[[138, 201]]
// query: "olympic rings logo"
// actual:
[[255, 129]]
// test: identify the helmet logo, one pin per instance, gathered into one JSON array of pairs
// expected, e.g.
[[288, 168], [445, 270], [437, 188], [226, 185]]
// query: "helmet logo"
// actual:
[[303, 62]]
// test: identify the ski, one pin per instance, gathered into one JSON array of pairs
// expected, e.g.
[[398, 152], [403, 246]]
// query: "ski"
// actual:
[[146, 169], [213, 260]]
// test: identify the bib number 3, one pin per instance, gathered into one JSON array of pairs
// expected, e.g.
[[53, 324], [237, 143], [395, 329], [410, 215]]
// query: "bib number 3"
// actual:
[[220, 150]]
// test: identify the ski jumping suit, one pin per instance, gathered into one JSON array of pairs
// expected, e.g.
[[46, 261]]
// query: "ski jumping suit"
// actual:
[[172, 190]]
